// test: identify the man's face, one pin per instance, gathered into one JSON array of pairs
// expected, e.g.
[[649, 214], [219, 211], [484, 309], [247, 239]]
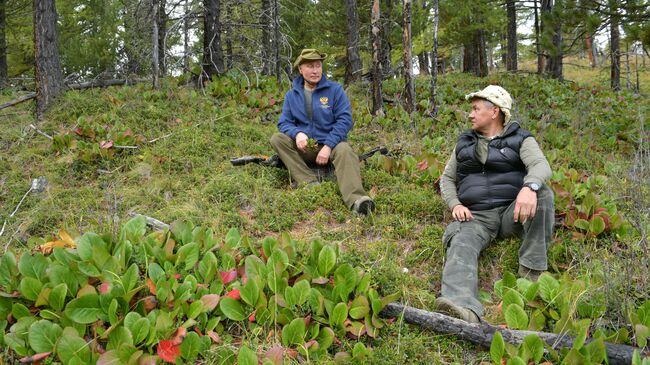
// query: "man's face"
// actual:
[[483, 115], [312, 71]]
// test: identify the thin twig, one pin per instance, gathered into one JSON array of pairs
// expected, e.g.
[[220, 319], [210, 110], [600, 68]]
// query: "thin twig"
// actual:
[[41, 132]]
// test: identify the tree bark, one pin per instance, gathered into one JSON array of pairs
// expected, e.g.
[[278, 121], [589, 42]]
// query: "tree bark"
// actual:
[[155, 62], [49, 76], [409, 83], [556, 53], [434, 61], [212, 52], [615, 47], [538, 45], [589, 49], [267, 44], [511, 9], [423, 63], [386, 46], [186, 37], [277, 65], [3, 44], [353, 65], [483, 332], [162, 32], [545, 11], [377, 75]]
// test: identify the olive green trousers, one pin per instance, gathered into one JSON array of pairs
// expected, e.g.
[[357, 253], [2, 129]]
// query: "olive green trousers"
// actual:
[[345, 161]]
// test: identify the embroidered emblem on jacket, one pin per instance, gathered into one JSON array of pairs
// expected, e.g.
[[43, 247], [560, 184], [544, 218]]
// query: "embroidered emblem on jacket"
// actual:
[[323, 102]]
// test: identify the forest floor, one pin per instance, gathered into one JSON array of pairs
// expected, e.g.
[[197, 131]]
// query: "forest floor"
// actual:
[[591, 136]]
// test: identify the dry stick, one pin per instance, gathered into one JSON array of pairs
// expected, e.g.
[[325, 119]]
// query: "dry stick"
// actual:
[[151, 222], [482, 333], [26, 97], [41, 132]]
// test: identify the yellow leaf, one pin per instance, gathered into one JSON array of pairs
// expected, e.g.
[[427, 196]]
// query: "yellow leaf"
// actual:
[[65, 237]]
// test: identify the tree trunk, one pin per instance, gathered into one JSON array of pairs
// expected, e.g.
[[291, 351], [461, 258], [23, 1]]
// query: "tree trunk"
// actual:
[[423, 63], [3, 44], [155, 63], [267, 44], [277, 65], [49, 76], [186, 36], [162, 33], [538, 45], [386, 46], [545, 15], [511, 9], [212, 52], [589, 49], [615, 47], [353, 66], [434, 61], [377, 76], [556, 53], [409, 83], [482, 333], [482, 54]]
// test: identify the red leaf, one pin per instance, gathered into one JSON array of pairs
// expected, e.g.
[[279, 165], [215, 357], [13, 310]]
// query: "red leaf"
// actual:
[[105, 144], [234, 294], [35, 357], [210, 301], [167, 351], [179, 336], [214, 337], [150, 303], [272, 101], [78, 131], [251, 318], [257, 110], [177, 276], [275, 354], [422, 165], [228, 276], [151, 286], [104, 288]]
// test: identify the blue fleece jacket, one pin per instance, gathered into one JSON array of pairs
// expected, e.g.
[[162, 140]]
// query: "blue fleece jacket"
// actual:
[[332, 115]]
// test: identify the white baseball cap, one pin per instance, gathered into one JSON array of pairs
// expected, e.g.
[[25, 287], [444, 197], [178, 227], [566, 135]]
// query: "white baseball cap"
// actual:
[[497, 96]]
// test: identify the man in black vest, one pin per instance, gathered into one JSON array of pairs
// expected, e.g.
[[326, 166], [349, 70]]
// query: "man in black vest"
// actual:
[[495, 185]]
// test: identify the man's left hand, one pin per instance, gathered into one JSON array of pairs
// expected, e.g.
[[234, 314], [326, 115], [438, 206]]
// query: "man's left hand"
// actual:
[[324, 155], [525, 205]]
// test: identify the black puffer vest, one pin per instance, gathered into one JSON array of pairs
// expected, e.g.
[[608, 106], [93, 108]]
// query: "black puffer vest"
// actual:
[[497, 183]]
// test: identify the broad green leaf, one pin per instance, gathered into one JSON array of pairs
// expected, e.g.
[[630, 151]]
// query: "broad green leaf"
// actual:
[[359, 307], [72, 349], [8, 268], [497, 348], [582, 328], [641, 333], [548, 287], [130, 277], [516, 317], [359, 351], [89, 269], [574, 357], [134, 229], [278, 262], [43, 335], [532, 348], [516, 361], [84, 310], [232, 309], [246, 356], [19, 311], [339, 315], [512, 296], [182, 231], [57, 296], [581, 224], [597, 351], [140, 330], [531, 292], [191, 346], [118, 338], [188, 255], [30, 288], [537, 321], [364, 283], [195, 309], [326, 260], [294, 332], [290, 297], [88, 244], [596, 225], [250, 292], [208, 267], [112, 312], [325, 337], [301, 289], [131, 319], [33, 266], [345, 280], [232, 239]]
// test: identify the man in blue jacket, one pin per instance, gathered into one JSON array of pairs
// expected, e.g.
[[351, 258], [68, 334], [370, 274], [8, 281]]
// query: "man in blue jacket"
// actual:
[[318, 109]]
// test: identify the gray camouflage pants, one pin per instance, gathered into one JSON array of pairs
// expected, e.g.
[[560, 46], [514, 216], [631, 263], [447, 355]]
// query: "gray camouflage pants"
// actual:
[[464, 241]]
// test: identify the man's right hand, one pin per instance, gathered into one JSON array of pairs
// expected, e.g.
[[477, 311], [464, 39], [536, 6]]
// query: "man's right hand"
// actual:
[[301, 141], [461, 213]]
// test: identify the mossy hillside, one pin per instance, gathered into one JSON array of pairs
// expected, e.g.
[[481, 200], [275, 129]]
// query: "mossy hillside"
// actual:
[[187, 176]]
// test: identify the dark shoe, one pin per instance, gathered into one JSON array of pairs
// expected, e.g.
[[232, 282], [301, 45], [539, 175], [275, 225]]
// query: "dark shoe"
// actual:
[[363, 206], [446, 306], [529, 274]]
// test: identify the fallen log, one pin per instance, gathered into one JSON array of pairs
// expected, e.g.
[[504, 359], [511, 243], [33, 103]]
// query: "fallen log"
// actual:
[[482, 333], [77, 86]]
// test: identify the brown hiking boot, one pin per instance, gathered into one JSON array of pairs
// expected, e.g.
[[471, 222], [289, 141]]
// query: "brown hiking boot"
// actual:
[[529, 274], [446, 306]]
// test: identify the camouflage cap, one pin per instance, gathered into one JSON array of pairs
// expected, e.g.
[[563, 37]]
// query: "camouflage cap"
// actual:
[[497, 96], [308, 54]]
